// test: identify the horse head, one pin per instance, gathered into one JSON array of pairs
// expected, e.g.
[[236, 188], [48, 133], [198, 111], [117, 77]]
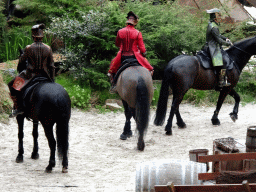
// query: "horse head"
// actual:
[[21, 65]]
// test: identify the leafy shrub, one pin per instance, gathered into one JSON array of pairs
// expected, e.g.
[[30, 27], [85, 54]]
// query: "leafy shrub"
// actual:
[[2, 31], [79, 95]]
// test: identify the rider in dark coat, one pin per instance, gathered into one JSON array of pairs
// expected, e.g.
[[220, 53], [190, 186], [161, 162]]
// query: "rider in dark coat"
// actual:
[[214, 40], [38, 60]]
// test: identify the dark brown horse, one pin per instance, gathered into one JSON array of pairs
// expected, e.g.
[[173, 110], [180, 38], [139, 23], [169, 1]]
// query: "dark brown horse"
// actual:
[[135, 87], [185, 72]]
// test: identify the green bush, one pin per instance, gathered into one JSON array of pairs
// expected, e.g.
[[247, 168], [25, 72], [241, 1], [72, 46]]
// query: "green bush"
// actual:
[[2, 31], [80, 96]]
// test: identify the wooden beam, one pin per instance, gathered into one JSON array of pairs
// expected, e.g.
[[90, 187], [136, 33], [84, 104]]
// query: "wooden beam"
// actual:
[[207, 176], [207, 188], [227, 157]]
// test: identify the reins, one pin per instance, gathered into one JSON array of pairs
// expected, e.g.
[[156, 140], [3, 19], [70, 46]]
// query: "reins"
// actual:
[[242, 50]]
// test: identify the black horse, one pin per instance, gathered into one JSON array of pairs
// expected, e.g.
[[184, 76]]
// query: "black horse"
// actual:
[[49, 103], [185, 72]]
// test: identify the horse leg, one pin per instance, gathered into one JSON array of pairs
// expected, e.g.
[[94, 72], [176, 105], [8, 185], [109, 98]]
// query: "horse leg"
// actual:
[[222, 96], [127, 127], [35, 154], [48, 129], [180, 121], [20, 120], [234, 115]]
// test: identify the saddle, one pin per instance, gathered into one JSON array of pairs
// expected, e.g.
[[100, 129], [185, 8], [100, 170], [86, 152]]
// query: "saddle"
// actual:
[[205, 60], [124, 65], [27, 91]]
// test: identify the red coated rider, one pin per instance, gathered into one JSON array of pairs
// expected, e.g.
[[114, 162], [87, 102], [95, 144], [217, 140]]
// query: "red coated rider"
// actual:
[[131, 45]]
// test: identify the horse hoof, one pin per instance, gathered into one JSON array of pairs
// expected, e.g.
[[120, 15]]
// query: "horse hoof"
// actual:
[[48, 169], [19, 159], [233, 116], [65, 170], [215, 122], [124, 136], [168, 133], [34, 156], [182, 125], [141, 146]]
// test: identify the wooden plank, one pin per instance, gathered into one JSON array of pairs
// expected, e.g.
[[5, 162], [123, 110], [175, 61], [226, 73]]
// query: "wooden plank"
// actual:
[[161, 188], [226, 157], [208, 176], [207, 188]]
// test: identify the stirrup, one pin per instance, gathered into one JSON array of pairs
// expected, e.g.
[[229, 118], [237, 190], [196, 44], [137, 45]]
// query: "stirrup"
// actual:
[[112, 90], [224, 84], [16, 112]]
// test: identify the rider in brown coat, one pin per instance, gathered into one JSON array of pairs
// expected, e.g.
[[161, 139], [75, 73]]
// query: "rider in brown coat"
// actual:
[[38, 59]]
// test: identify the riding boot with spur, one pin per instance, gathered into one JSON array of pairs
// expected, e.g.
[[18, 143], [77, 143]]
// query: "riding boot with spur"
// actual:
[[223, 79], [17, 107], [112, 90]]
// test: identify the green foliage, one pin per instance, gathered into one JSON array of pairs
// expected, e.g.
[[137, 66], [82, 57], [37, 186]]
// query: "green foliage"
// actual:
[[156, 94], [80, 96], [18, 38], [2, 30], [38, 11]]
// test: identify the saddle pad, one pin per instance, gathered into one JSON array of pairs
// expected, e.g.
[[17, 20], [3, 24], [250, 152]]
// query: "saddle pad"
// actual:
[[126, 63], [205, 60]]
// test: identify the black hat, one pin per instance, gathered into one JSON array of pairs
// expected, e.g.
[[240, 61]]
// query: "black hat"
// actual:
[[37, 30], [132, 14], [132, 18]]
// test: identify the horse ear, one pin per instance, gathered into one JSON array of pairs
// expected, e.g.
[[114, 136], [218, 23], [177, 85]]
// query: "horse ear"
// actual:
[[21, 51]]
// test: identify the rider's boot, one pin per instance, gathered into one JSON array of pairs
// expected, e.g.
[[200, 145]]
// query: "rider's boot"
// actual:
[[112, 89], [223, 79], [17, 107]]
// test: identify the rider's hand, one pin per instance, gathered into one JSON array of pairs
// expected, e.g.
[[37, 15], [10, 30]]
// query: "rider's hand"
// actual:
[[110, 75], [228, 41], [152, 72]]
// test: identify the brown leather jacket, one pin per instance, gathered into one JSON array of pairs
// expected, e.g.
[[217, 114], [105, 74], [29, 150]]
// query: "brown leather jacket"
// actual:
[[39, 60]]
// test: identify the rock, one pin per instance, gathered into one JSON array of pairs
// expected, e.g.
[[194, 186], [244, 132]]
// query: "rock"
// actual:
[[117, 101], [113, 106]]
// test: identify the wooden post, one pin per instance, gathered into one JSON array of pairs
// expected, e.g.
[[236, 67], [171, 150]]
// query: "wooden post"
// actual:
[[246, 186], [216, 164], [171, 187]]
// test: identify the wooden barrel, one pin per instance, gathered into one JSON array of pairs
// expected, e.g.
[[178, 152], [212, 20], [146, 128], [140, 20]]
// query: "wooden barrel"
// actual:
[[251, 139], [181, 172]]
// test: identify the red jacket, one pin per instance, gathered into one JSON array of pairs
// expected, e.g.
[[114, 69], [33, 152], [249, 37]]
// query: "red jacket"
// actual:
[[130, 42]]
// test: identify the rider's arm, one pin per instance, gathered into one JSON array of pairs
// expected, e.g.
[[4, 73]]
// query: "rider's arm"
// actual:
[[218, 37], [23, 60], [51, 66], [141, 44], [118, 40]]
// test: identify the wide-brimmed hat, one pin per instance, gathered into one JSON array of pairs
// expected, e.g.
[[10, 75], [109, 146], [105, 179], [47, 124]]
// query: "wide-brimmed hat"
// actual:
[[132, 18], [214, 10], [37, 30]]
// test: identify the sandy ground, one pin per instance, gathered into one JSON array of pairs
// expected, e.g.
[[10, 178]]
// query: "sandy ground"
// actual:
[[99, 160]]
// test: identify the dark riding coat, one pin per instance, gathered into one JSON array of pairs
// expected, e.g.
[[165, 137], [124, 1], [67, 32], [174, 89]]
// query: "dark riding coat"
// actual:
[[214, 40], [130, 42], [37, 59]]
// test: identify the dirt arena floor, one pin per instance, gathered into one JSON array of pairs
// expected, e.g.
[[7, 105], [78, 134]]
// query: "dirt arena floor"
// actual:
[[99, 161]]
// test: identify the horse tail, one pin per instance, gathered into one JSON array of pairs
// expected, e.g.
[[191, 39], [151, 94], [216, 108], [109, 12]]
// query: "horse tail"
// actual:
[[162, 100], [142, 106], [62, 124]]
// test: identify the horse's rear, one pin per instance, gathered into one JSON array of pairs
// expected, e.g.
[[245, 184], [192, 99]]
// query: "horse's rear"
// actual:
[[49, 103], [135, 87]]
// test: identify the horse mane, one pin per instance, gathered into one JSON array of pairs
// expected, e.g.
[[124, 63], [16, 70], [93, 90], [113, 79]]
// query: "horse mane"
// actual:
[[242, 41]]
